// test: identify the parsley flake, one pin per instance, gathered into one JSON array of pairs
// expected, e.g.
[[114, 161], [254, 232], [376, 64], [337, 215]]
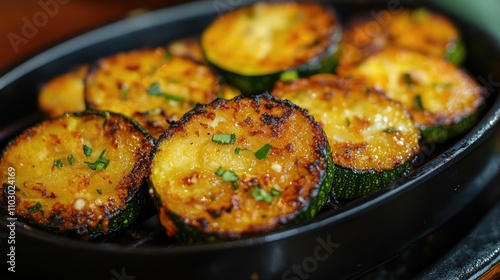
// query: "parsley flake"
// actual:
[[100, 164], [417, 103], [238, 150], [71, 159], [289, 75], [228, 176]]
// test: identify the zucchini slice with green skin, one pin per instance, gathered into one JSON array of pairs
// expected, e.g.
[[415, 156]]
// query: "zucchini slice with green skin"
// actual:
[[373, 138], [79, 174], [251, 47], [443, 98], [419, 30], [187, 47], [150, 85], [63, 93], [239, 167]]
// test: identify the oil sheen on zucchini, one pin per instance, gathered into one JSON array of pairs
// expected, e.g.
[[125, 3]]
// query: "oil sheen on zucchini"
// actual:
[[150, 85], [63, 93], [251, 47], [443, 99], [78, 175], [373, 139], [419, 30], [239, 167]]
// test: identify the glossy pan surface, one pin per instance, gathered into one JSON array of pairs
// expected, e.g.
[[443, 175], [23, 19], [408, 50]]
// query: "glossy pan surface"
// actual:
[[341, 242]]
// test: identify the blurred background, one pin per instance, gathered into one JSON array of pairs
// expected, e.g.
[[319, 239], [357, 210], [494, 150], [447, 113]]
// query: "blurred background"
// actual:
[[30, 26]]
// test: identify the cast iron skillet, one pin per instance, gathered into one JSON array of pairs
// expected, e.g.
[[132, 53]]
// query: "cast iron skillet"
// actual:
[[343, 241]]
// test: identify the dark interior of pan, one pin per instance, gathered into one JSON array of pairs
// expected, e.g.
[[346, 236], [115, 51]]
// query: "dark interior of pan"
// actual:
[[343, 241]]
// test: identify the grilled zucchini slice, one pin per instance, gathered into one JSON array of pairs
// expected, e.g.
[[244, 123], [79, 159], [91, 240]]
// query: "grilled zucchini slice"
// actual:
[[239, 167], [63, 93], [421, 30], [251, 47], [150, 85], [373, 139], [442, 98], [79, 174]]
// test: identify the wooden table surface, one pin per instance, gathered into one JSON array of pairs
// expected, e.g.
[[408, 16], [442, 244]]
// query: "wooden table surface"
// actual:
[[30, 26]]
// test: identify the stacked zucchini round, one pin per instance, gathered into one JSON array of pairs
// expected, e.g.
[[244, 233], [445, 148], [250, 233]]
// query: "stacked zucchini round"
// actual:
[[245, 129]]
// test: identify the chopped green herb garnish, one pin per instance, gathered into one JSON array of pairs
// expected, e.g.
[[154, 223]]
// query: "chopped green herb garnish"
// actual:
[[417, 103], [420, 15], [238, 150], [71, 159], [87, 150], [289, 75], [391, 130], [224, 138], [100, 164], [275, 192], [407, 78], [347, 121], [99, 191], [260, 194], [263, 152], [58, 163], [155, 90], [35, 208]]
